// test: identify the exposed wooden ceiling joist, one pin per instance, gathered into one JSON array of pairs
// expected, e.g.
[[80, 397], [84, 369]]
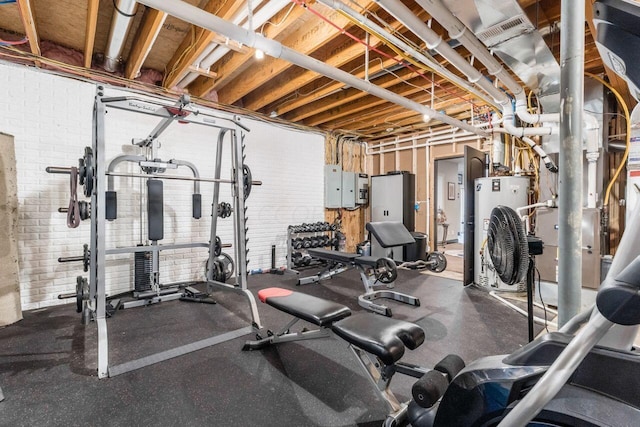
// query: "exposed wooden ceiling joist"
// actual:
[[195, 42], [29, 22], [90, 32], [147, 32], [233, 64]]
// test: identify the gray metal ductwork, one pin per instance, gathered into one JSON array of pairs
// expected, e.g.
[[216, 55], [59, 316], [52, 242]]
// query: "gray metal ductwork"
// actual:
[[420, 56], [201, 18], [503, 27], [123, 13]]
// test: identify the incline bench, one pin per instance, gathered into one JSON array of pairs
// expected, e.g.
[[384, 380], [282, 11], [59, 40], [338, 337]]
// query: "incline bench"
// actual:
[[378, 342], [373, 271]]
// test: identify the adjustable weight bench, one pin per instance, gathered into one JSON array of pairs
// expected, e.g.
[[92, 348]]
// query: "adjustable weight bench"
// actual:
[[378, 342], [373, 271]]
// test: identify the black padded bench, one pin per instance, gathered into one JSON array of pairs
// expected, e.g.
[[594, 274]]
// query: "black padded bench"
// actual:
[[373, 271], [378, 342], [320, 312]]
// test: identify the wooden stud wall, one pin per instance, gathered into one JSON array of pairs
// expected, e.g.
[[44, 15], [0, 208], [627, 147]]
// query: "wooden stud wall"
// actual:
[[352, 158]]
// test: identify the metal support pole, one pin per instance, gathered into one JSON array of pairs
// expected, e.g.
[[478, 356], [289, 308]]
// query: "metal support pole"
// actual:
[[97, 265], [214, 203], [570, 182]]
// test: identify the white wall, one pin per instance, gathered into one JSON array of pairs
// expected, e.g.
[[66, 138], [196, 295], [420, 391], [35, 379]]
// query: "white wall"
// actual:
[[51, 119], [448, 172]]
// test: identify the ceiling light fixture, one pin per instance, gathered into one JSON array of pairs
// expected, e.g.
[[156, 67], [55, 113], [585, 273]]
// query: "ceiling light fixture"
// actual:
[[259, 54]]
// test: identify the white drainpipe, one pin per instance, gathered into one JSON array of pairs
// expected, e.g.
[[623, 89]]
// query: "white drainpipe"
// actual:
[[592, 139], [215, 52], [201, 18], [120, 24], [403, 14], [457, 30], [430, 62]]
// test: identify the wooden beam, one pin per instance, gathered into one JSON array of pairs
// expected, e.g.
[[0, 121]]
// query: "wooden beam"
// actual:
[[306, 40], [345, 96], [618, 83], [324, 89], [232, 65], [379, 115], [29, 22], [368, 103], [196, 41], [90, 31], [284, 84], [146, 36]]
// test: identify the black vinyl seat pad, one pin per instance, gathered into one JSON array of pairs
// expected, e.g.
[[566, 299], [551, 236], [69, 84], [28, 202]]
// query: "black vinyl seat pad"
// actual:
[[390, 233], [315, 310], [381, 336]]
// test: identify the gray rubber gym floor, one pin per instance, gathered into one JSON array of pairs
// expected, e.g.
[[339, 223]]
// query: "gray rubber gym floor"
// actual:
[[48, 360]]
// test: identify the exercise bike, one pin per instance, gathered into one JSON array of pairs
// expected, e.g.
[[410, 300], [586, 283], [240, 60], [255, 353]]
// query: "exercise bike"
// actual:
[[564, 378]]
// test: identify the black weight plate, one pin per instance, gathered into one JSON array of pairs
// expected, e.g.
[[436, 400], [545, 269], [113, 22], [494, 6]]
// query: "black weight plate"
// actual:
[[247, 180], [227, 264], [80, 289], [87, 171], [386, 271], [438, 260], [86, 257]]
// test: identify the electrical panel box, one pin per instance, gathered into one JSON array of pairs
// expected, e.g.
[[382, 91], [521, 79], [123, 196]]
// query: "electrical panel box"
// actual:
[[362, 189], [348, 189], [332, 186]]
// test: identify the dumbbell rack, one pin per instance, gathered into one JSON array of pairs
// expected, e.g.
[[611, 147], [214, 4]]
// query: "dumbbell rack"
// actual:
[[308, 233]]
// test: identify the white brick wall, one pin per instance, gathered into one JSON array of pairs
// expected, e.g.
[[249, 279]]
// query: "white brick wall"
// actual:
[[51, 120]]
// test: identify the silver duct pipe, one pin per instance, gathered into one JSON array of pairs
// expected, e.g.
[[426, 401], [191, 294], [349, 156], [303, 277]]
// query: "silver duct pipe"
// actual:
[[570, 182], [403, 14], [201, 18], [408, 49], [457, 30], [434, 41], [124, 11]]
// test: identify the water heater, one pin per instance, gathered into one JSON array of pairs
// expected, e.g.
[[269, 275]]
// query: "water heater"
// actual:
[[511, 191]]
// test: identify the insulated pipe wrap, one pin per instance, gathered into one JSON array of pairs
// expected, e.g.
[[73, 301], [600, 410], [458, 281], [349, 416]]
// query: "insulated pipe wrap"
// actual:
[[201, 18]]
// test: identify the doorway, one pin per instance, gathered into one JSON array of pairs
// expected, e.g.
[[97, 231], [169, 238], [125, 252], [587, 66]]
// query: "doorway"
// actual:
[[448, 211]]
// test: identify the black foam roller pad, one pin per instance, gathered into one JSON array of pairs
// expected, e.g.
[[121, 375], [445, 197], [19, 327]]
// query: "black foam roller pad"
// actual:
[[155, 209], [111, 205], [196, 203]]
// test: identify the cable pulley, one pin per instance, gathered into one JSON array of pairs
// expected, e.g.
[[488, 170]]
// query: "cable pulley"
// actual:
[[224, 210]]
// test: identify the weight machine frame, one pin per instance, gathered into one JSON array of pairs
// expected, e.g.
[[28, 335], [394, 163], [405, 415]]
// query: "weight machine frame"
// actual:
[[98, 250]]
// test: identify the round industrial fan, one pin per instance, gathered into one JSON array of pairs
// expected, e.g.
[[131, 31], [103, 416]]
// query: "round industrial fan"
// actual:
[[507, 245]]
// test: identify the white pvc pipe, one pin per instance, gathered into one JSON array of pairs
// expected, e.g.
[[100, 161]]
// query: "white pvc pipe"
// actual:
[[215, 52], [592, 137], [403, 14], [201, 18], [457, 30]]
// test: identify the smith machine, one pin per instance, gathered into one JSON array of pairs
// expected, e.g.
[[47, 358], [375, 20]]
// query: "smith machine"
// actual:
[[91, 297]]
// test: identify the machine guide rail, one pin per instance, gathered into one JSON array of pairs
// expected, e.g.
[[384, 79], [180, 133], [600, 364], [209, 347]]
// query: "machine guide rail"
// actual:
[[94, 171]]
